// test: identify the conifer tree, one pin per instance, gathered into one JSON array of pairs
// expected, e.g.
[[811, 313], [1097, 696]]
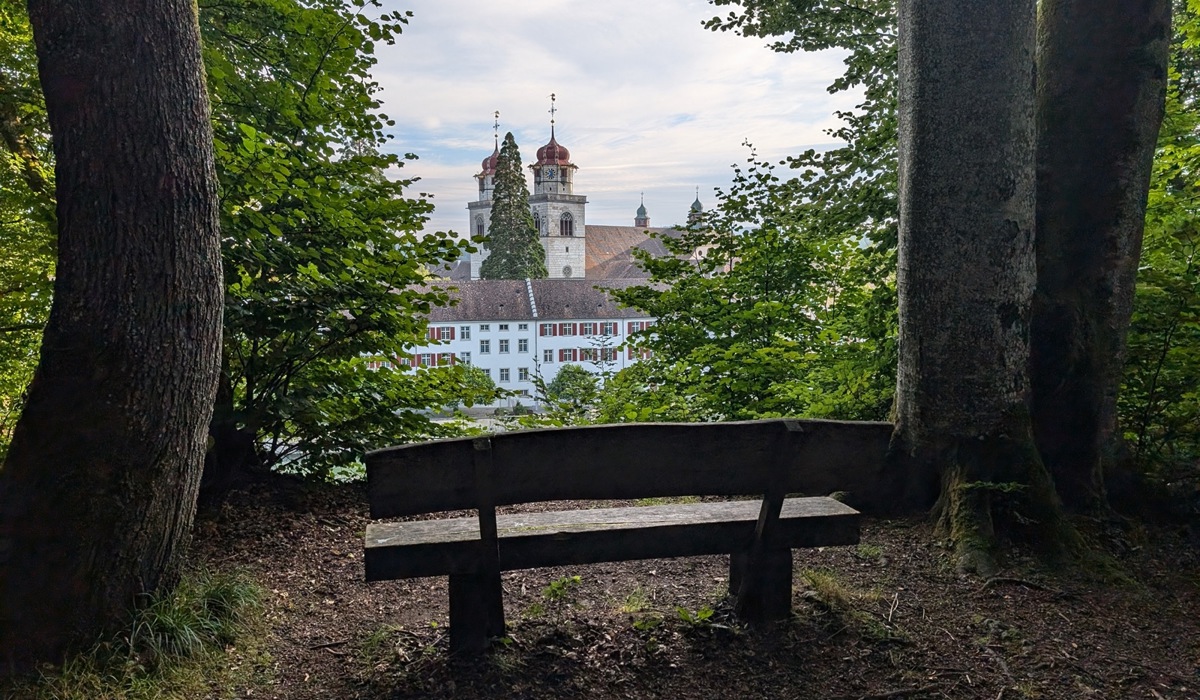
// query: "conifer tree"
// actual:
[[514, 249]]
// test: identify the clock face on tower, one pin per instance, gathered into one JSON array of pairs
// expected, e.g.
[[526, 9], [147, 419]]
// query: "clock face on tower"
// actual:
[[549, 173]]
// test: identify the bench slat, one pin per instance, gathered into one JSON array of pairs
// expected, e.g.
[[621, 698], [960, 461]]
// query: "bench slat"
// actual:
[[529, 540], [639, 460]]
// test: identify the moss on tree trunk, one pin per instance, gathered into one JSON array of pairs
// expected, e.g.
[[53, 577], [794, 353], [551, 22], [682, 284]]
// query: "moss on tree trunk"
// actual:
[[966, 270]]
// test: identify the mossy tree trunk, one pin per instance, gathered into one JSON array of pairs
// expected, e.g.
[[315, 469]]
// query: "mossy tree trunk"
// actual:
[[966, 266], [1101, 87], [98, 490]]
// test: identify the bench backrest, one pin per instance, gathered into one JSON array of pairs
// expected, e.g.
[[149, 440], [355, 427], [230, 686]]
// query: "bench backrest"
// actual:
[[633, 460]]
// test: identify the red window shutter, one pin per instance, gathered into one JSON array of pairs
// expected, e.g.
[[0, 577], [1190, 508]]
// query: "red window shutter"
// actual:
[[416, 361], [451, 332]]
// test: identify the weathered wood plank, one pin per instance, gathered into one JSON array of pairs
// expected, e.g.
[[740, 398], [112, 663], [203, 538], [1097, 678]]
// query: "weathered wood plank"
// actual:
[[450, 546], [486, 585], [639, 460], [750, 598], [771, 598]]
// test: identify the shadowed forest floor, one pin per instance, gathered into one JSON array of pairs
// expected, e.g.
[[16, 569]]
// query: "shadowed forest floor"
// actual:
[[885, 620]]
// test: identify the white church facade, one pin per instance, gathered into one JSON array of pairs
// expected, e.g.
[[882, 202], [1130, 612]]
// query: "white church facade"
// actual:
[[517, 330]]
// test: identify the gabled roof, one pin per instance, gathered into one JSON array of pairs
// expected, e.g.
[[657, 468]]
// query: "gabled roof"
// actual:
[[564, 299], [485, 300], [508, 300]]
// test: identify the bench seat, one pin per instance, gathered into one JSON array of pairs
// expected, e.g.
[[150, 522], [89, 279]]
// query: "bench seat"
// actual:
[[586, 536]]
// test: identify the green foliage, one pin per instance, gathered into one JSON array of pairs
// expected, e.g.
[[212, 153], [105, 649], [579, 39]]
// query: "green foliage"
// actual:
[[783, 298], [26, 215], [514, 248], [177, 646], [698, 618], [559, 589], [574, 385], [322, 251], [1160, 400], [756, 313]]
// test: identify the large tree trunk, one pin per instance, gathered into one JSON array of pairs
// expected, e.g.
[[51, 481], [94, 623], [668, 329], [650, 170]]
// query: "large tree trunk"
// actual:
[[966, 265], [1101, 87], [98, 492]]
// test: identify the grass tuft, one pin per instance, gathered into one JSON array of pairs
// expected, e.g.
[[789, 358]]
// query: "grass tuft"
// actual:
[[202, 639]]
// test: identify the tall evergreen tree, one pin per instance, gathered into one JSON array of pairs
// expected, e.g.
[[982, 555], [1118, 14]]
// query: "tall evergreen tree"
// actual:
[[514, 249]]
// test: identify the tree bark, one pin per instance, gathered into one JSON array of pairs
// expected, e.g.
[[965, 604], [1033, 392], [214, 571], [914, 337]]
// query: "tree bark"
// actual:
[[1101, 90], [966, 268], [98, 491]]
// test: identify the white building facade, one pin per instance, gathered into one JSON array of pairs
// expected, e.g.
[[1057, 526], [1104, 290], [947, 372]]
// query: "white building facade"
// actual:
[[516, 330]]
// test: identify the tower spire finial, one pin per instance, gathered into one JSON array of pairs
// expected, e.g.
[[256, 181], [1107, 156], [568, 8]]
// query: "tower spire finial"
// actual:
[[496, 128], [553, 109]]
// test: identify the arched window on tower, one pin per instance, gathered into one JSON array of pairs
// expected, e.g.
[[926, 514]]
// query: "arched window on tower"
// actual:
[[566, 225], [537, 222], [479, 226]]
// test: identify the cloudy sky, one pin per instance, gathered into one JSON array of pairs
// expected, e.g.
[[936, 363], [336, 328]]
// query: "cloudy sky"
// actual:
[[648, 100]]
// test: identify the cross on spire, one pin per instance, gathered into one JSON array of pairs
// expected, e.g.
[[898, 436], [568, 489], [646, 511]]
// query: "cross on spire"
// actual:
[[553, 109], [496, 129]]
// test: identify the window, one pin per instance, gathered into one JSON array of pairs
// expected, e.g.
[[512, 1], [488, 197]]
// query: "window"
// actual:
[[523, 345], [426, 359], [466, 357], [606, 355], [546, 329], [566, 225], [445, 333], [446, 358], [479, 226], [635, 326], [547, 356], [464, 332], [589, 328], [568, 355], [485, 327], [537, 222], [522, 326], [523, 374], [587, 354], [567, 328], [503, 326], [504, 345], [485, 347], [487, 371], [504, 374], [608, 328]]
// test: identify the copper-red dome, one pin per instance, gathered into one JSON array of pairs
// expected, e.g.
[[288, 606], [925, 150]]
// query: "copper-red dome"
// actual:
[[489, 163], [553, 154]]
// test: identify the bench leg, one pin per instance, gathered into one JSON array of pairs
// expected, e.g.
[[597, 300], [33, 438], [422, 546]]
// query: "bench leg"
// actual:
[[476, 612], [769, 595]]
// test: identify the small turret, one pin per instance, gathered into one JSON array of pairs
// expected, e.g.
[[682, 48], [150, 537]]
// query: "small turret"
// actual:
[[642, 220]]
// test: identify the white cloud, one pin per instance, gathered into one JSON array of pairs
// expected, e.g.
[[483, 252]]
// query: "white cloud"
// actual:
[[649, 101]]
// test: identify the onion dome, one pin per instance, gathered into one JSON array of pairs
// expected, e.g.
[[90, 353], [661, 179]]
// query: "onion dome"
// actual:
[[553, 153], [641, 212], [697, 207], [489, 163]]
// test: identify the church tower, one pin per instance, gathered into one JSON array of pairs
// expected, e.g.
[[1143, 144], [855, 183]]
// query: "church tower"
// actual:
[[480, 211], [557, 210], [642, 220]]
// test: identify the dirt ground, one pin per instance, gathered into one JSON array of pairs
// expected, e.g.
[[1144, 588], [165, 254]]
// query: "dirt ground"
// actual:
[[886, 620]]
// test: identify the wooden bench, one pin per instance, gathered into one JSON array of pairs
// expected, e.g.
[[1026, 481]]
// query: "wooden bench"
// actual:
[[767, 459]]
